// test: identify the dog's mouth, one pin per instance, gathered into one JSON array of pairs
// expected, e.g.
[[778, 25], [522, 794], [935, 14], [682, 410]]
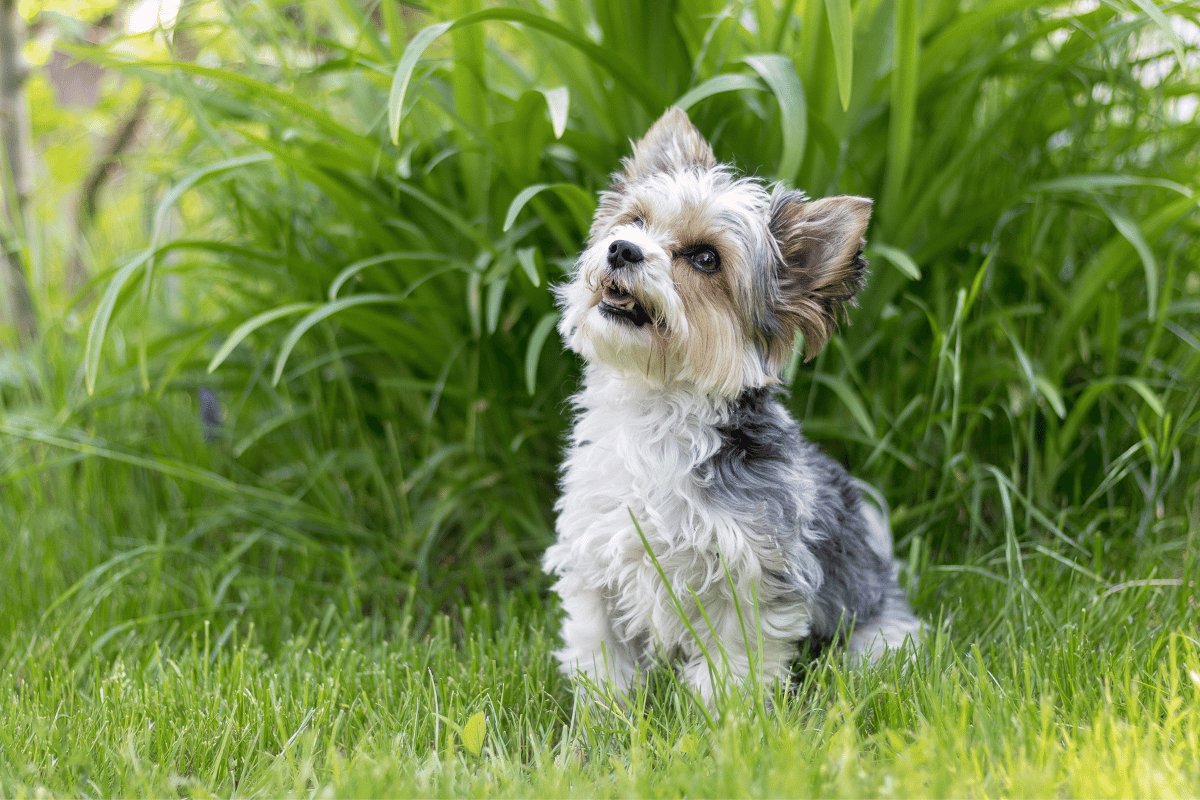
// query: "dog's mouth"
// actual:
[[618, 304]]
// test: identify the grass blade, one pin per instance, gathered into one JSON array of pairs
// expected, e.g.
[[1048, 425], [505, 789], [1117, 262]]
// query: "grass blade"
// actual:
[[103, 315], [780, 75], [533, 352], [577, 200], [641, 89], [386, 258], [898, 259], [527, 256], [729, 82], [318, 314], [250, 326], [841, 30], [1151, 10], [1095, 182], [1129, 229], [903, 104], [404, 71], [1109, 262], [558, 101], [853, 404]]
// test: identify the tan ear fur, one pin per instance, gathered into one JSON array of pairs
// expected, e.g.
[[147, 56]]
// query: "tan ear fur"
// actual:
[[821, 266], [672, 144]]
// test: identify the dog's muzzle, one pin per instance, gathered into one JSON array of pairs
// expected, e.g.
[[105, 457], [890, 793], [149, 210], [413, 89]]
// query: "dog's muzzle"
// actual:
[[617, 303]]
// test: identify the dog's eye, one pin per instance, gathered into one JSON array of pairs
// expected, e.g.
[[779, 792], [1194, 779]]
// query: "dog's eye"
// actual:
[[638, 221], [705, 259]]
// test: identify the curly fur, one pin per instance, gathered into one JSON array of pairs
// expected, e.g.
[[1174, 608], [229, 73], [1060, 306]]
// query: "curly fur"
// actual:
[[696, 525]]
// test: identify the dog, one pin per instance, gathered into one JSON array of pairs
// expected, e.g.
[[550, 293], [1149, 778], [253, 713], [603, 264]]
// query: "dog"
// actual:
[[696, 526]]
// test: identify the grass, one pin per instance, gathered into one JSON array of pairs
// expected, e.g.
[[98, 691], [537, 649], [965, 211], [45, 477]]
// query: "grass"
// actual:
[[349, 241], [1079, 690]]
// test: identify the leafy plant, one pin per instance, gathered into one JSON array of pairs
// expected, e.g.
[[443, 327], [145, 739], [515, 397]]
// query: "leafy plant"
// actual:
[[384, 215]]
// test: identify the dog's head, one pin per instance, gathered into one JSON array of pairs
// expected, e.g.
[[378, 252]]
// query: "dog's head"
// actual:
[[694, 275]]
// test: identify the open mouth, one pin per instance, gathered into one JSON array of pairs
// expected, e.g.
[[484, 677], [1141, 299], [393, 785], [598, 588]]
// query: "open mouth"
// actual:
[[619, 304]]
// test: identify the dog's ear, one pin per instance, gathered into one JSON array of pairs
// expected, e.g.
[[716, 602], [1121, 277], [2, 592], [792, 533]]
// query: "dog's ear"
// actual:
[[821, 266], [671, 145]]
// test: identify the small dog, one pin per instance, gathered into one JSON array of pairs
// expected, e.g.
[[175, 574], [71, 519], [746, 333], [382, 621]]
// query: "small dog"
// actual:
[[696, 525]]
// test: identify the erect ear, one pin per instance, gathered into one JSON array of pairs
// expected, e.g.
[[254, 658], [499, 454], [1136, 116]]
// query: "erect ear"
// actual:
[[671, 145], [821, 266]]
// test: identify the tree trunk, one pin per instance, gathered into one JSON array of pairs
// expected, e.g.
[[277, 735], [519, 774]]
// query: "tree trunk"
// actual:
[[16, 178]]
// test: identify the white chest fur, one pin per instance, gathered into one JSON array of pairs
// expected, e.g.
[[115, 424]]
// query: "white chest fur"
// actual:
[[634, 455]]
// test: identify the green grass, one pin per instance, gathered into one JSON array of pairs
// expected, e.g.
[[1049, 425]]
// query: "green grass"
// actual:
[[346, 241], [1082, 689]]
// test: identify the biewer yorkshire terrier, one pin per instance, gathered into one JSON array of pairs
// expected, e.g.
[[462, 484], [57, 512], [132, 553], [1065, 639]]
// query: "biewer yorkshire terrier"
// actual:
[[697, 527]]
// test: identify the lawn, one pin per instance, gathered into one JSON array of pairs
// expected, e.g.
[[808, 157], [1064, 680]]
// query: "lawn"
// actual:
[[179, 668], [275, 481]]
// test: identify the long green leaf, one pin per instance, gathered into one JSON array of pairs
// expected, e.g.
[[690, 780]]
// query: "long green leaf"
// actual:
[[189, 182], [495, 300], [268, 425], [104, 311], [1079, 408], [1129, 229], [404, 71], [1151, 10], [161, 464], [851, 400], [1107, 265], [780, 75], [350, 271], [260, 90], [729, 82], [250, 326], [579, 201], [642, 90], [903, 103], [527, 256], [558, 102], [842, 32], [318, 314], [447, 213], [1095, 182], [349, 199], [160, 220], [965, 31], [533, 352], [898, 259]]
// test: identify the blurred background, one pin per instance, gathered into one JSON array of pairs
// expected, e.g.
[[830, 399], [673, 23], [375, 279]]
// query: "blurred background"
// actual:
[[278, 334]]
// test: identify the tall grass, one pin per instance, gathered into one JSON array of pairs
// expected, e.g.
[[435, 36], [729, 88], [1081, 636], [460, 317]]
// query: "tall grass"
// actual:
[[388, 195]]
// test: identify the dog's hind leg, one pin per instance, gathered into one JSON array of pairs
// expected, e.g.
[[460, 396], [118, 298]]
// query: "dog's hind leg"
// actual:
[[889, 629], [895, 621]]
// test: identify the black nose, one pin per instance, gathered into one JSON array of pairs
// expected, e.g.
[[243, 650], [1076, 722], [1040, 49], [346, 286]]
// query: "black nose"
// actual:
[[623, 254]]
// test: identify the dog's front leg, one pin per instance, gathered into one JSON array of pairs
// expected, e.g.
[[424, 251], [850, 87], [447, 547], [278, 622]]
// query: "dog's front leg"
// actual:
[[592, 657], [731, 650]]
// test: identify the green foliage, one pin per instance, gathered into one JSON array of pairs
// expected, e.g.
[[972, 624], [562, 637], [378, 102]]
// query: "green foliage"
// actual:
[[392, 213]]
